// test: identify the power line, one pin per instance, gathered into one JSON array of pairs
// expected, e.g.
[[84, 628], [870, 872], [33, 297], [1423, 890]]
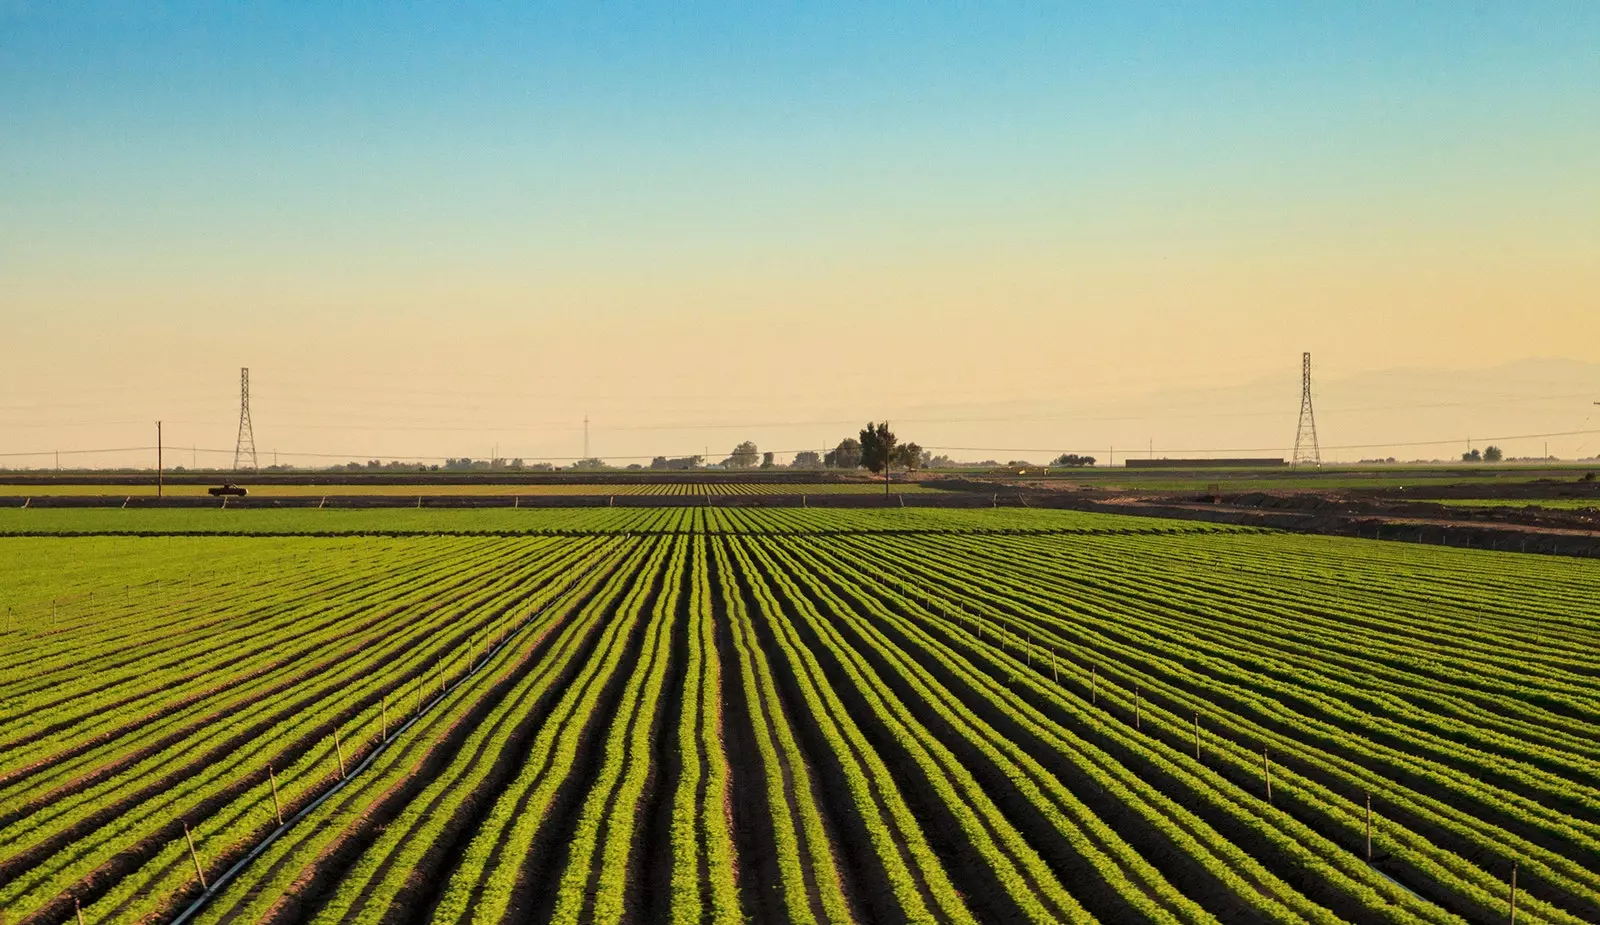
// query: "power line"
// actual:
[[1394, 444], [368, 423]]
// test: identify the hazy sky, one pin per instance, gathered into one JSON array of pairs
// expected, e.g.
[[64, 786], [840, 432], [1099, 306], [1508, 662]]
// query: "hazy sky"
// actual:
[[434, 228]]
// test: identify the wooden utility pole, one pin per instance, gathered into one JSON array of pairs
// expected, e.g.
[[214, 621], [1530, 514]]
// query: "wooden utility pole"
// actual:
[[1094, 684], [338, 749], [1513, 893], [1197, 735], [159, 466], [887, 457], [1136, 708], [77, 908]]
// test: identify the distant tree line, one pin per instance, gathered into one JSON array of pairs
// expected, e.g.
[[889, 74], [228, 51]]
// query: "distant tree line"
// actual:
[[875, 448]]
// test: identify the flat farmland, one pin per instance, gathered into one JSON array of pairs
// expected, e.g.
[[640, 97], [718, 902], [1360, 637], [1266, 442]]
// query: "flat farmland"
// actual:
[[502, 490], [569, 521], [712, 715]]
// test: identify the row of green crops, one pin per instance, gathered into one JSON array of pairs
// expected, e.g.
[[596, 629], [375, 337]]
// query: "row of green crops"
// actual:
[[807, 716], [85, 522]]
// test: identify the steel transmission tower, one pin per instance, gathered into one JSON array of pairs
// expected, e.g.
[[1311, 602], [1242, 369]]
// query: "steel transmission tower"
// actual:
[[1306, 450], [245, 449]]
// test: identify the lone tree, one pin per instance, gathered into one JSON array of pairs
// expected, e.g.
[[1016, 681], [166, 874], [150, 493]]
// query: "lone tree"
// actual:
[[877, 450], [877, 446], [1493, 454], [744, 456]]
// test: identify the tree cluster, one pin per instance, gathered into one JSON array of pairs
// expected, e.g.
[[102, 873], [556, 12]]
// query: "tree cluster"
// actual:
[[1072, 460], [847, 455], [876, 447], [744, 456], [1489, 454]]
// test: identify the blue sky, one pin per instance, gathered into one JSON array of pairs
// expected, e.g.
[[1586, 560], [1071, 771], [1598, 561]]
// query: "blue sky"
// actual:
[[1130, 187]]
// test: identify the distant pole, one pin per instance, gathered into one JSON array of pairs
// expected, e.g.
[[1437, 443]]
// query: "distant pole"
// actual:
[[586, 436], [158, 461], [886, 455]]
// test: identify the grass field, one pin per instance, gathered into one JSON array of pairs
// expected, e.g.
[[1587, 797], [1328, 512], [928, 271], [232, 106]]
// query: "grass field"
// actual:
[[501, 490], [765, 718]]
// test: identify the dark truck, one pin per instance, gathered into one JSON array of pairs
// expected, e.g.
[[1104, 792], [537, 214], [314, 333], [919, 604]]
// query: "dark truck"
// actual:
[[227, 489]]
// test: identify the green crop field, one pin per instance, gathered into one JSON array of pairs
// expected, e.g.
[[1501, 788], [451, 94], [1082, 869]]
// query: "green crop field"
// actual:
[[715, 715], [564, 521]]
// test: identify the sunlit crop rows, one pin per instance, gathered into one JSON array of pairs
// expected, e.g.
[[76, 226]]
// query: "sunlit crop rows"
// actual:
[[568, 521], [759, 719]]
